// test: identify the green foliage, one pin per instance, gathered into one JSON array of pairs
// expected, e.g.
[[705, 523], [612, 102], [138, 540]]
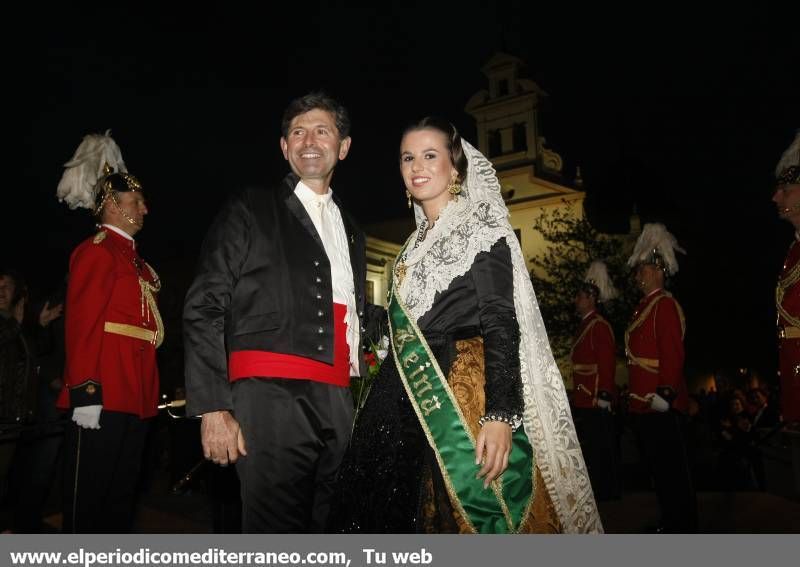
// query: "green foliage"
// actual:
[[573, 243]]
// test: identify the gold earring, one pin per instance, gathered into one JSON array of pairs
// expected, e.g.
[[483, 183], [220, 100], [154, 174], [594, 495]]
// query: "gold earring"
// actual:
[[408, 196], [454, 188]]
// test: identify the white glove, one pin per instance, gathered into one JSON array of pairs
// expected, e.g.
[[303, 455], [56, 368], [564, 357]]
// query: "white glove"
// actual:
[[603, 404], [87, 417], [658, 403]]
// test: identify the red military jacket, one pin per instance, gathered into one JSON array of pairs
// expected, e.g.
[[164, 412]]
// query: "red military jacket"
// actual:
[[593, 362], [787, 300], [654, 347], [112, 328]]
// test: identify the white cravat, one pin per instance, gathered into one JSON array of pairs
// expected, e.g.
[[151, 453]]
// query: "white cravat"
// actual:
[[324, 221], [328, 221]]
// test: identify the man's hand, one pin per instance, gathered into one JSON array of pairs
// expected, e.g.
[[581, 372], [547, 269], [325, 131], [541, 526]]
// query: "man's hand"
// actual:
[[495, 440], [222, 437]]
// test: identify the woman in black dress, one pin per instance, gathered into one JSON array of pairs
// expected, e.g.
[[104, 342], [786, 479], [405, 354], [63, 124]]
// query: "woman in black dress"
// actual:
[[469, 390]]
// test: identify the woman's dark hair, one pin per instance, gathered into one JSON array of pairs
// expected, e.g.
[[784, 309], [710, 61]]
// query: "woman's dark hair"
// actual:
[[314, 101], [452, 136]]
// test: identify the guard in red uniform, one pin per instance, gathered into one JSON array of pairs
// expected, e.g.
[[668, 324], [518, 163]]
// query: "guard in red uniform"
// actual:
[[787, 292], [593, 358], [112, 331], [658, 397]]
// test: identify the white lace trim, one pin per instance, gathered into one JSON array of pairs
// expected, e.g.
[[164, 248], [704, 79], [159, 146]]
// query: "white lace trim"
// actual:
[[461, 233], [465, 228], [547, 417]]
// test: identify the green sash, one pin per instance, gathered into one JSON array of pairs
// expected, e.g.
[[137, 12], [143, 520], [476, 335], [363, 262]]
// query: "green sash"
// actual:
[[499, 510]]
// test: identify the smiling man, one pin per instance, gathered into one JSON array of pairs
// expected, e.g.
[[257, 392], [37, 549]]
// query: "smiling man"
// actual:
[[272, 329], [787, 294]]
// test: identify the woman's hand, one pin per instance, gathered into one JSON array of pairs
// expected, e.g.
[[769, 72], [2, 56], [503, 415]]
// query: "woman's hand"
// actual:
[[493, 448]]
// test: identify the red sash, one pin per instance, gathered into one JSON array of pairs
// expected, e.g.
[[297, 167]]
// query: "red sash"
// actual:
[[263, 364]]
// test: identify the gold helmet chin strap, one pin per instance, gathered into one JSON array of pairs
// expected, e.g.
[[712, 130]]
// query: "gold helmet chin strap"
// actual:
[[108, 193], [125, 215]]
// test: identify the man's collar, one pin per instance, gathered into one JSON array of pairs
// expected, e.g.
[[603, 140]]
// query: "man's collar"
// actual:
[[120, 232], [652, 293], [307, 195]]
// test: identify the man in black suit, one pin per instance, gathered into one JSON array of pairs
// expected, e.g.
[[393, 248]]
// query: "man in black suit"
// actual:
[[272, 329]]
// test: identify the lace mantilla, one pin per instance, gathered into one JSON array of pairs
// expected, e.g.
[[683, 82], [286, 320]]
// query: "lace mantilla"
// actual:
[[467, 227], [461, 233]]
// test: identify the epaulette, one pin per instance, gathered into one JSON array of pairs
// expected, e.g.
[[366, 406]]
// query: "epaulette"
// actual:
[[99, 237]]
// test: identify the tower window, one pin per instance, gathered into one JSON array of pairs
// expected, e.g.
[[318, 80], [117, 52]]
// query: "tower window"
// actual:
[[519, 140], [502, 87], [495, 143]]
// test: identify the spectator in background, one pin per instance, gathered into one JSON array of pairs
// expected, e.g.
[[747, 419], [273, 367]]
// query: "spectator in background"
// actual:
[[20, 344], [38, 449], [736, 440]]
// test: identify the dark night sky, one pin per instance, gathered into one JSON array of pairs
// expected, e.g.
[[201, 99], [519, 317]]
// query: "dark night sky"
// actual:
[[682, 115]]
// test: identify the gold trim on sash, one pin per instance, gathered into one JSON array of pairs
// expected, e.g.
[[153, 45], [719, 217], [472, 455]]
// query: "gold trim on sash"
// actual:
[[404, 329], [451, 490]]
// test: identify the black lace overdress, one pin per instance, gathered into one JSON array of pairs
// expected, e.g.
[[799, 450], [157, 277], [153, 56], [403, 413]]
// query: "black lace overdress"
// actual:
[[378, 489]]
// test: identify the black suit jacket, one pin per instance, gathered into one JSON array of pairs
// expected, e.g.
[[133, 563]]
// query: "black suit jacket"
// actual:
[[263, 283]]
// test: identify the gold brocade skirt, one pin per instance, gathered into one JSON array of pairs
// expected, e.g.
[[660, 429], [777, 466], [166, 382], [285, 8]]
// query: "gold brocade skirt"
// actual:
[[438, 515]]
